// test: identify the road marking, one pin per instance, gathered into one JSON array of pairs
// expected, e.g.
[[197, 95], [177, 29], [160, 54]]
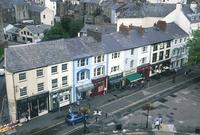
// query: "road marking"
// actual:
[[118, 109], [47, 128]]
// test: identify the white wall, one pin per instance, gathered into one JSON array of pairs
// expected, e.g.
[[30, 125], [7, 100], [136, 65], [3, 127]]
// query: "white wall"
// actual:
[[51, 5], [49, 17], [144, 22], [168, 1], [115, 62]]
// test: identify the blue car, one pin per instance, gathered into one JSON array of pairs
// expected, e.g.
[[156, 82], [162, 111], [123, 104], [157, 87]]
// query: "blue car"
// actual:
[[75, 117]]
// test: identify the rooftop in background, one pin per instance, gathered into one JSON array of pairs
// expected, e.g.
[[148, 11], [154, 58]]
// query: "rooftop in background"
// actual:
[[36, 8], [35, 29], [104, 28], [31, 56], [145, 10], [10, 3]]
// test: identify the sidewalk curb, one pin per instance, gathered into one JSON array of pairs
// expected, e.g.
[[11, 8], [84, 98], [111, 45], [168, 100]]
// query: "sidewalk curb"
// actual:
[[154, 95]]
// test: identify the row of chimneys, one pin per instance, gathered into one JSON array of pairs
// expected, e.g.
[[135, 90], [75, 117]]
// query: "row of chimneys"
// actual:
[[160, 25]]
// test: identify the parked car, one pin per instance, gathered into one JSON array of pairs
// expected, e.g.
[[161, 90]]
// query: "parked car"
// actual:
[[75, 117], [2, 72]]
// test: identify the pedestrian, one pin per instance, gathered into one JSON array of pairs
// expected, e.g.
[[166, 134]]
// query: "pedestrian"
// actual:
[[70, 110], [174, 76], [89, 105], [160, 119], [106, 115], [27, 119], [142, 83], [157, 124]]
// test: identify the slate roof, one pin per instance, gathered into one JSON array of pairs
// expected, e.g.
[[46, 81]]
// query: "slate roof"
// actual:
[[104, 28], [37, 8], [35, 29], [10, 3], [26, 57], [14, 30], [146, 10], [120, 41], [192, 17]]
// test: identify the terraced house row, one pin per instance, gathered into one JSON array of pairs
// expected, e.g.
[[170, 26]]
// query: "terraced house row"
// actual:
[[44, 76]]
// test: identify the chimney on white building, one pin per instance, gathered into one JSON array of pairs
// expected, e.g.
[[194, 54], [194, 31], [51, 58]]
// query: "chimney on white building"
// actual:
[[179, 6], [193, 6]]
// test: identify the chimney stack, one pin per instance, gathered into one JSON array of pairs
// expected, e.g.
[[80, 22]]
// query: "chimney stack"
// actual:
[[141, 31], [124, 29], [161, 25], [193, 6]]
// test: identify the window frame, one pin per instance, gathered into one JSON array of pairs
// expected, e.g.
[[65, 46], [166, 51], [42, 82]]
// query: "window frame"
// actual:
[[39, 87], [54, 84], [23, 78], [21, 92], [56, 69], [66, 67], [37, 73], [64, 82]]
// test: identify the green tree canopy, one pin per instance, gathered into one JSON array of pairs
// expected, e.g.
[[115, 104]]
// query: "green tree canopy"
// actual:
[[194, 47], [67, 28]]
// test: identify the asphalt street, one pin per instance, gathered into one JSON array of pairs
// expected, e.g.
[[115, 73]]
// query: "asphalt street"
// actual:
[[115, 107]]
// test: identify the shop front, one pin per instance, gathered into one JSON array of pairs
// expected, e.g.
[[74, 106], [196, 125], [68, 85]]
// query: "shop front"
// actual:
[[145, 70], [32, 106], [85, 90], [160, 67], [59, 98], [115, 82], [100, 86], [132, 78]]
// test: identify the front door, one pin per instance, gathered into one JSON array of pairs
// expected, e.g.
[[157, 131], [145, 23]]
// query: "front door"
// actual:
[[34, 108]]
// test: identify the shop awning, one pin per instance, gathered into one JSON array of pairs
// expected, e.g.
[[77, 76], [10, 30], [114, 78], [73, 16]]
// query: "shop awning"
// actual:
[[134, 77], [86, 87]]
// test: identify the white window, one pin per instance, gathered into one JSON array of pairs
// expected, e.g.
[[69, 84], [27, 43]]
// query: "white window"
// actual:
[[174, 52], [144, 49], [180, 40], [98, 59], [98, 71], [175, 41], [114, 69], [82, 75], [132, 51], [23, 91], [54, 69], [54, 83], [64, 67], [40, 86], [64, 80], [162, 45], [115, 55], [143, 60], [39, 72], [22, 76], [43, 16], [82, 62], [131, 63]]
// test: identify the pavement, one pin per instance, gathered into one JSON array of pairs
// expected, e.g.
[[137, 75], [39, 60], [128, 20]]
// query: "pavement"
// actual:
[[111, 103]]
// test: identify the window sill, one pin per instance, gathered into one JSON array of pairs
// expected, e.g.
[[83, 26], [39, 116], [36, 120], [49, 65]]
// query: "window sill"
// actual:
[[54, 73], [40, 76], [22, 81], [64, 70]]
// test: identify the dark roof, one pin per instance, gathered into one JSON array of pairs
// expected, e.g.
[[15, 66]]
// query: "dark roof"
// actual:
[[35, 29], [14, 30], [192, 17], [104, 28], [11, 3], [121, 41], [26, 57], [146, 10], [36, 8]]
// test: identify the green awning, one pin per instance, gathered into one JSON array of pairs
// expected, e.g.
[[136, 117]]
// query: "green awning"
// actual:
[[134, 77]]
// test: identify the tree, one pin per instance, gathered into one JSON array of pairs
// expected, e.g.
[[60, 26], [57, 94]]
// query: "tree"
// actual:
[[194, 48], [67, 28], [85, 110], [147, 107]]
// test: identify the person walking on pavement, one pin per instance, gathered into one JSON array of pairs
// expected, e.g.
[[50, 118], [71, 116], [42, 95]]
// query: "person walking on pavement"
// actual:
[[157, 124], [142, 83], [174, 76]]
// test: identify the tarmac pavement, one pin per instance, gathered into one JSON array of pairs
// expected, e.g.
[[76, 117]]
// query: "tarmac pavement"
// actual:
[[110, 103]]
